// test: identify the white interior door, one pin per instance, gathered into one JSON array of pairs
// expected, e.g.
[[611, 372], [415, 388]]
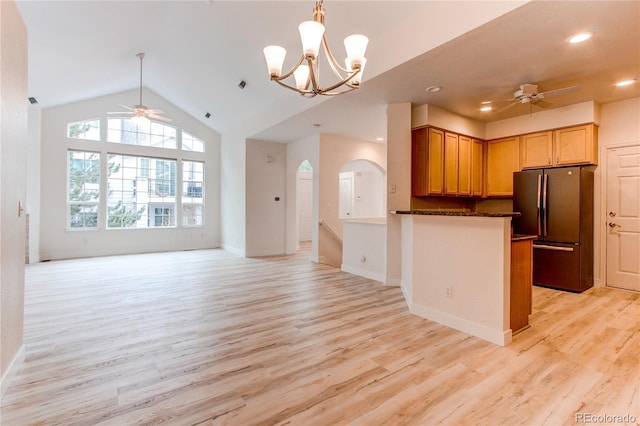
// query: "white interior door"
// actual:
[[304, 199], [345, 200], [623, 218]]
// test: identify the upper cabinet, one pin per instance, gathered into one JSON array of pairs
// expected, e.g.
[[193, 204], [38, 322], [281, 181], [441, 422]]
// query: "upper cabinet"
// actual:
[[445, 163], [536, 150], [561, 147], [427, 162], [451, 167], [503, 158], [477, 174], [576, 145], [448, 163]]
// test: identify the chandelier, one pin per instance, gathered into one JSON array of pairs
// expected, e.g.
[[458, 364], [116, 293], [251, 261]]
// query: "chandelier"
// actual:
[[306, 71]]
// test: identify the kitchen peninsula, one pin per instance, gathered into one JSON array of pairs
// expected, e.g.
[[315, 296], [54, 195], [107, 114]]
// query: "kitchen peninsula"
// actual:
[[456, 270]]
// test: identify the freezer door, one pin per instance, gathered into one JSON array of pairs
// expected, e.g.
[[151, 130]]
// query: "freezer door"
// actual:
[[561, 207], [560, 266], [527, 188]]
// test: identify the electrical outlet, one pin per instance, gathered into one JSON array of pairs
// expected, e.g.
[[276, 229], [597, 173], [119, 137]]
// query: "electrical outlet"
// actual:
[[448, 292]]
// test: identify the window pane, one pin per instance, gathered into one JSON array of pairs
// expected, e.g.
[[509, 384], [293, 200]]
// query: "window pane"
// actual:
[[192, 193], [83, 215], [150, 133], [141, 192], [83, 189], [89, 130], [191, 143]]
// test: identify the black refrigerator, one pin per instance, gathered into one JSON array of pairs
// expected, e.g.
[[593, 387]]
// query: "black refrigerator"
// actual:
[[557, 205]]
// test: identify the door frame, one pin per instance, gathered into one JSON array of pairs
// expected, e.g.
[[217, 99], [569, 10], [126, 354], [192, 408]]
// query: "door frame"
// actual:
[[601, 226]]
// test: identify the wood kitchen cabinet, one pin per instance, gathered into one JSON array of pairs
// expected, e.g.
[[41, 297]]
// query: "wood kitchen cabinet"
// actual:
[[560, 147], [536, 150], [503, 158], [445, 163], [477, 174], [451, 167], [427, 161], [576, 145], [465, 172], [521, 282]]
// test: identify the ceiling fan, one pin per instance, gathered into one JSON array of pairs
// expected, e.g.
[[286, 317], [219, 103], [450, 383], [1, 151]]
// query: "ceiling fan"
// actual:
[[141, 112], [528, 94]]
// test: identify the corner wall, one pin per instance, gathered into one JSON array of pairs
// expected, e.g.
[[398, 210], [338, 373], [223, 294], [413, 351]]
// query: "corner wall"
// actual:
[[13, 141], [266, 198], [335, 152]]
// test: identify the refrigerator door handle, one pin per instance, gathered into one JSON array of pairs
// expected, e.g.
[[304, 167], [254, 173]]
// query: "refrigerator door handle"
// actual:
[[545, 188], [556, 248], [538, 203]]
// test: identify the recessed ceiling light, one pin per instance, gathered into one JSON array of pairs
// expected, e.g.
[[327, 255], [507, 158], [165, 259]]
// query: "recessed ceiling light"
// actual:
[[625, 83], [434, 89], [579, 38], [486, 108], [485, 102], [379, 139]]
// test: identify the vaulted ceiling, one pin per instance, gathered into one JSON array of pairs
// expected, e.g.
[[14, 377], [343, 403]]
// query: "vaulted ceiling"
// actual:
[[198, 51]]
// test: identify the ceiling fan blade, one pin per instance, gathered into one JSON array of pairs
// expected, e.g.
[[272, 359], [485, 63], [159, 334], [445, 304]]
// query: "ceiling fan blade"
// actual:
[[158, 117], [506, 107], [558, 92], [541, 103], [121, 112]]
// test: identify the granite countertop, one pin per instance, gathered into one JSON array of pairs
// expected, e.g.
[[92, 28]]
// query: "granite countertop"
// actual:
[[456, 213]]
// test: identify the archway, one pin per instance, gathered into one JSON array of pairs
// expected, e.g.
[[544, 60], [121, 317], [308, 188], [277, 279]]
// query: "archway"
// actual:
[[361, 189]]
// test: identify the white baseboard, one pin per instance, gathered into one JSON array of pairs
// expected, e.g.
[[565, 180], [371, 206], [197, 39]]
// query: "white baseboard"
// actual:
[[363, 272], [499, 337], [393, 281], [233, 250], [260, 253], [11, 371]]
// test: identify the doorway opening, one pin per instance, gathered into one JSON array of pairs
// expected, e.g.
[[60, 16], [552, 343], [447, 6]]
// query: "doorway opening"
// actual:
[[362, 192], [304, 206]]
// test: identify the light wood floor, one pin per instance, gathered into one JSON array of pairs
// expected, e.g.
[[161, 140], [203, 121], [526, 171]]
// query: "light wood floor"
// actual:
[[206, 337]]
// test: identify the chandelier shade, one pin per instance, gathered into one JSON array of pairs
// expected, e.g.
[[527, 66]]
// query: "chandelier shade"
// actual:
[[307, 69]]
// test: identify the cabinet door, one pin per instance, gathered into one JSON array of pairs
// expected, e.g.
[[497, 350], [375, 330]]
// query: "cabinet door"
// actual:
[[476, 167], [464, 165], [536, 150], [576, 145], [503, 158], [436, 162], [450, 163], [419, 158]]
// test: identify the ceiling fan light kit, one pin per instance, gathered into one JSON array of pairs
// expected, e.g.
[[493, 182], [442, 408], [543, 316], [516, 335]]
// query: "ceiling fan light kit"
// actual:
[[306, 71], [141, 114]]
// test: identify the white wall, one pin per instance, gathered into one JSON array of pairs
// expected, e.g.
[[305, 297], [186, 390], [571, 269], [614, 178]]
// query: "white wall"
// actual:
[[266, 198], [233, 187], [430, 115], [57, 242], [33, 181], [304, 149], [398, 182], [620, 126], [471, 256], [365, 249], [369, 189], [335, 152], [13, 141]]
